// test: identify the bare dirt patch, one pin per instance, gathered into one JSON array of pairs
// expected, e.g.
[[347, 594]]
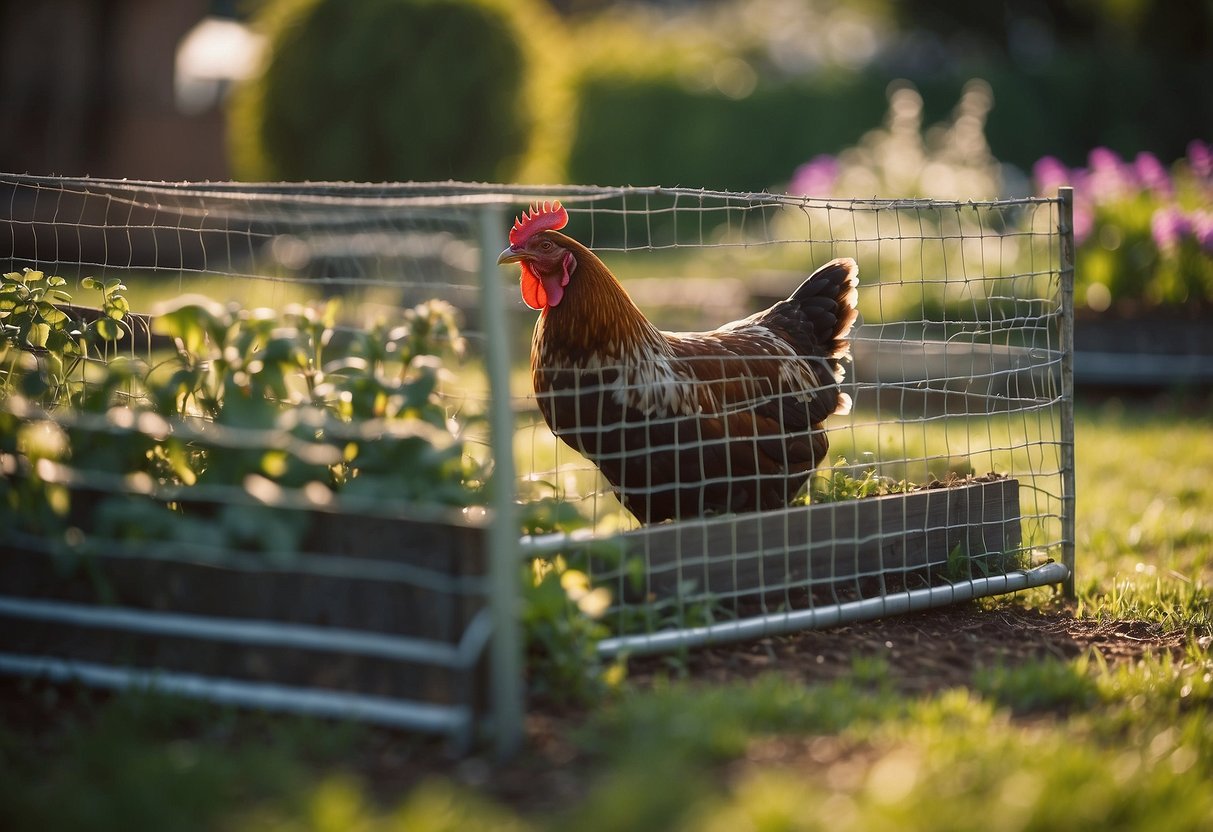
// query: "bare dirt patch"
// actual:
[[926, 651]]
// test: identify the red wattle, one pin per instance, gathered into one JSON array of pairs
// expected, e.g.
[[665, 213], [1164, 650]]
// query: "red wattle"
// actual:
[[553, 291], [533, 293]]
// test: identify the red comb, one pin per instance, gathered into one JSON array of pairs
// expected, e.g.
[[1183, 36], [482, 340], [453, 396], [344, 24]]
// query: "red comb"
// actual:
[[543, 216]]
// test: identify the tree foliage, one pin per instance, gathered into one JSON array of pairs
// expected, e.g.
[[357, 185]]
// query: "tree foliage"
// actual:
[[386, 90]]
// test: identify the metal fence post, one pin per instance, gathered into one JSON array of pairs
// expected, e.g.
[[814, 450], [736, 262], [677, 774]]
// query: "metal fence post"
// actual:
[[506, 649], [1066, 260]]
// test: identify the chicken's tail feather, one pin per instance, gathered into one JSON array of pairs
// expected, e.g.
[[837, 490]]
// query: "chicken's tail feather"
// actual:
[[828, 302]]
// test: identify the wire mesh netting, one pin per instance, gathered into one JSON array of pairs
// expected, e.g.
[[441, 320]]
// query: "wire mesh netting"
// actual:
[[944, 480], [237, 463], [257, 443]]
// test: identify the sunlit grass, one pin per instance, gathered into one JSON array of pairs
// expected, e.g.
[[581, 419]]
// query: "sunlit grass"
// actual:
[[1126, 747], [1144, 491]]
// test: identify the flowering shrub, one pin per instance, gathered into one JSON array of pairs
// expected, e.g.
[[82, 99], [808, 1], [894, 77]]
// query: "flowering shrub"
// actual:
[[1144, 233], [950, 160], [905, 158]]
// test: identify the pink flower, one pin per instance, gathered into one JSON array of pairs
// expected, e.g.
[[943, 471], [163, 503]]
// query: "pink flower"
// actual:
[[816, 177], [1108, 178], [1103, 159], [1200, 156], [1050, 174], [1152, 175], [1084, 219], [1202, 229], [1169, 226]]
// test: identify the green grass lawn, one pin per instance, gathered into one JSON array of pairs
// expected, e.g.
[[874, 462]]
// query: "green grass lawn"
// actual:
[[1095, 740]]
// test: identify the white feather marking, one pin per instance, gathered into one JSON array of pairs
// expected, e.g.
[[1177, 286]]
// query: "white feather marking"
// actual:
[[650, 383]]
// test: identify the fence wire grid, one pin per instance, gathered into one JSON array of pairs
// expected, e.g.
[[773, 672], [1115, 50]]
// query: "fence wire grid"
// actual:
[[316, 533]]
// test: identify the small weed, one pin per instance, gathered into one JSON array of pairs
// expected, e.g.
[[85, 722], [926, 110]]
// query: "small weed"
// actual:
[[1045, 685], [144, 761], [716, 723], [1173, 604], [840, 483]]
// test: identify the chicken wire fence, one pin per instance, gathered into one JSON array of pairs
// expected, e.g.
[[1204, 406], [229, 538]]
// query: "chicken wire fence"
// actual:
[[318, 493]]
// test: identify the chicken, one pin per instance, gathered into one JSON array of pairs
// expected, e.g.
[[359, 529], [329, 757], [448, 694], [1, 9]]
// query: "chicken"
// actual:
[[682, 424]]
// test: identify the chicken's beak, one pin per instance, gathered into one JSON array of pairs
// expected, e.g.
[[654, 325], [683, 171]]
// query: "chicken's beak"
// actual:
[[509, 256]]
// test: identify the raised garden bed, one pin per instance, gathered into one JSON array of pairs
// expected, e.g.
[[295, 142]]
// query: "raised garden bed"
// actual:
[[392, 610], [1145, 349], [970, 528], [383, 608]]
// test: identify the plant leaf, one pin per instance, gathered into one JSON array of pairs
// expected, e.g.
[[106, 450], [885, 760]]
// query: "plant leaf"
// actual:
[[109, 330], [37, 335]]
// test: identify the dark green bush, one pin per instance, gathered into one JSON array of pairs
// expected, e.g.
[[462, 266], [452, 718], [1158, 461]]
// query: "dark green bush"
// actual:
[[1091, 98], [1177, 29], [381, 90], [656, 131]]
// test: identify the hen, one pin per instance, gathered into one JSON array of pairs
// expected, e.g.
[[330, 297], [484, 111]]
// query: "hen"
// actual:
[[682, 424]]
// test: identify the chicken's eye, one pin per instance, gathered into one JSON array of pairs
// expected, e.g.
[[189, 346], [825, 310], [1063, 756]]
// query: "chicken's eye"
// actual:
[[546, 245]]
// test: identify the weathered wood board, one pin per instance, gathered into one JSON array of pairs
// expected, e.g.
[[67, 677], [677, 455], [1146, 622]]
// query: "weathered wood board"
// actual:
[[829, 544], [448, 560], [823, 546]]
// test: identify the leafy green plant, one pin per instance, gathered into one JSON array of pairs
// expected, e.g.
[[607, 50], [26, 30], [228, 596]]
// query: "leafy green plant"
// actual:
[[218, 441], [563, 612], [207, 443], [963, 566], [838, 482], [561, 618], [44, 341]]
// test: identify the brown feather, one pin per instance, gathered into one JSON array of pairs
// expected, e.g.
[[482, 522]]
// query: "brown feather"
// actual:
[[688, 424]]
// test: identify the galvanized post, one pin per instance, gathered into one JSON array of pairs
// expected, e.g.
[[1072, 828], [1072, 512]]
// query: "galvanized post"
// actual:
[[506, 648], [1066, 260]]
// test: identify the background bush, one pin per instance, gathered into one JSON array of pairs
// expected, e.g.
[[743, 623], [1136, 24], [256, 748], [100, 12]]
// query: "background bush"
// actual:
[[710, 96], [388, 90], [647, 131], [729, 95]]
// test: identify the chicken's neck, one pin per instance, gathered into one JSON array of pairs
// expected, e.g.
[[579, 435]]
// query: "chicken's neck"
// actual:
[[596, 321]]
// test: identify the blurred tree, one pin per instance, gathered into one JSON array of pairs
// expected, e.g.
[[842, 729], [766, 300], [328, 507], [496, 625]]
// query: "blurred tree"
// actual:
[[387, 90], [1069, 75], [1020, 28], [738, 93]]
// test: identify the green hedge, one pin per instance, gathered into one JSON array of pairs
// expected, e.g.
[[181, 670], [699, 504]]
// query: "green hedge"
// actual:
[[646, 131], [656, 132], [386, 90], [1128, 102], [500, 90]]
